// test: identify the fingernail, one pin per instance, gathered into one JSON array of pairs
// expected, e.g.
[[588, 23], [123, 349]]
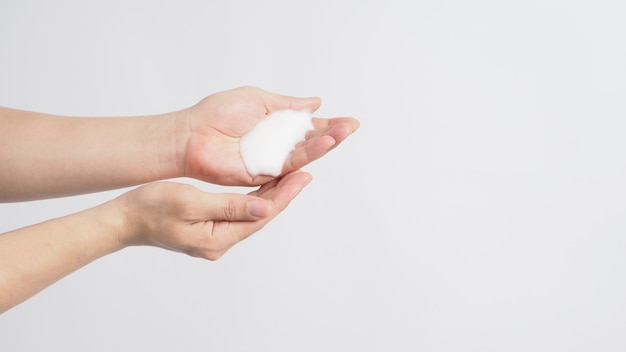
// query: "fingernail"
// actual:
[[258, 208], [330, 142]]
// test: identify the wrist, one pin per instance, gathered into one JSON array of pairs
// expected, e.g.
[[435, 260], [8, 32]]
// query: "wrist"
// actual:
[[116, 217], [174, 135]]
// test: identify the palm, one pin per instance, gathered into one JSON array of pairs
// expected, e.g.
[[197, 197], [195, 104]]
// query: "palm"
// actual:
[[217, 123]]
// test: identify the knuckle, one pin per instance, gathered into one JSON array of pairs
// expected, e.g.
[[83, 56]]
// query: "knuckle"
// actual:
[[230, 210]]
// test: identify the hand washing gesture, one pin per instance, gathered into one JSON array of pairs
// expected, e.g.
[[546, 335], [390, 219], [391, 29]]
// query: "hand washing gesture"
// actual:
[[46, 156]]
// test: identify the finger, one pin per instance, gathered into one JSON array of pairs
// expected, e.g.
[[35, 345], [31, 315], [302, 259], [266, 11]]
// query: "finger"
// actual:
[[338, 127], [235, 207], [287, 188], [327, 135], [308, 151], [278, 192], [292, 179]]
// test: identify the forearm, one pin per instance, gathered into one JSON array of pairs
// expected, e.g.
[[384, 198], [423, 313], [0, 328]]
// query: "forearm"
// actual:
[[33, 258], [44, 156]]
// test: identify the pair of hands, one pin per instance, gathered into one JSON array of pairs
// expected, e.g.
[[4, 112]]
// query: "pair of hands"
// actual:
[[200, 142], [182, 218]]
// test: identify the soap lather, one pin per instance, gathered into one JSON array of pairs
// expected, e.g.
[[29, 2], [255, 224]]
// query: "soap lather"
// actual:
[[265, 148]]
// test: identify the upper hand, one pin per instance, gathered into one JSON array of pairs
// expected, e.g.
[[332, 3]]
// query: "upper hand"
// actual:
[[209, 146]]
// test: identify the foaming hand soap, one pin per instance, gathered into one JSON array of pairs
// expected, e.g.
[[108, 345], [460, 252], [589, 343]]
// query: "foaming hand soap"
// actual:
[[265, 147]]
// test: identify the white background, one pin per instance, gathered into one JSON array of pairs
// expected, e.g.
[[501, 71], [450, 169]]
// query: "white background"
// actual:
[[480, 207]]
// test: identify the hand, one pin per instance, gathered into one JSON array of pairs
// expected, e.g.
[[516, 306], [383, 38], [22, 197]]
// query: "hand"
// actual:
[[169, 215], [209, 147], [182, 218]]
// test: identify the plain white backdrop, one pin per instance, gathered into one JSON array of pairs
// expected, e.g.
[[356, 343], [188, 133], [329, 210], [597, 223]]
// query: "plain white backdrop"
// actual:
[[480, 207]]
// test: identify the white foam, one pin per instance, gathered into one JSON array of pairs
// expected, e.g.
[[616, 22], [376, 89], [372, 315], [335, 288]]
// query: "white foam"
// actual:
[[265, 148]]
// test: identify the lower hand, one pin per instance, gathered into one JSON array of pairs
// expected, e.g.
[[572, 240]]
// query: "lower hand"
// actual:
[[182, 218]]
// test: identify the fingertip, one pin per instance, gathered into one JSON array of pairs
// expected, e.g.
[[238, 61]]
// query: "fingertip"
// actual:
[[300, 176], [317, 101], [355, 125], [306, 178]]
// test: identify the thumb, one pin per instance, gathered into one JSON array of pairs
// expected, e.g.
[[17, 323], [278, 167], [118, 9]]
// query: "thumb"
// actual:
[[281, 102], [236, 207]]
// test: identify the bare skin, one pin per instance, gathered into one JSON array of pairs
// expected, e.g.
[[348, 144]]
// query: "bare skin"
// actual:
[[44, 156], [221, 128], [168, 215]]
